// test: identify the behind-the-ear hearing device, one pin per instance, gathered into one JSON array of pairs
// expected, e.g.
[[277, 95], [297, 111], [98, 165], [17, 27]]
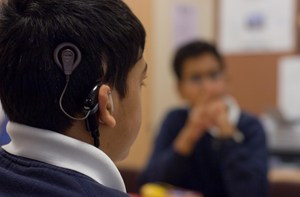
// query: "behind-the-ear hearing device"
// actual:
[[67, 56], [91, 107]]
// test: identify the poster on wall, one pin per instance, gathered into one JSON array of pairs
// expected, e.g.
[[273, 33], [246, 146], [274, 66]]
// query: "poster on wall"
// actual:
[[185, 22], [288, 87], [257, 26]]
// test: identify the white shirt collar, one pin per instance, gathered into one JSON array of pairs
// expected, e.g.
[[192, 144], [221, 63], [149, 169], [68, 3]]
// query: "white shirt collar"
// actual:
[[62, 151]]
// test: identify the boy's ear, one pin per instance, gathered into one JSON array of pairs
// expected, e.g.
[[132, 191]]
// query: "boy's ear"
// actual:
[[105, 106]]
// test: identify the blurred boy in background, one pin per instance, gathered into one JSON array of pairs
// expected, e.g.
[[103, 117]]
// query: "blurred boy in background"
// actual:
[[211, 146]]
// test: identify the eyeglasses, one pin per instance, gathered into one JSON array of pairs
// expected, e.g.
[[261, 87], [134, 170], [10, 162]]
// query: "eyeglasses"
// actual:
[[197, 79]]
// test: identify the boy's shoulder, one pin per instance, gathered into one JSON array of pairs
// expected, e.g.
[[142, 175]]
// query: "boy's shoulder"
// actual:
[[247, 118], [251, 126], [179, 112], [33, 178]]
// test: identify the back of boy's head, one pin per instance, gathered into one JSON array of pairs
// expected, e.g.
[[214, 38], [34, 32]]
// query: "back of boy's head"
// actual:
[[193, 50], [105, 31]]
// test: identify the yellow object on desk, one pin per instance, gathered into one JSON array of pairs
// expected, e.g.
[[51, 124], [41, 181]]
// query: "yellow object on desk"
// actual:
[[153, 190], [163, 190]]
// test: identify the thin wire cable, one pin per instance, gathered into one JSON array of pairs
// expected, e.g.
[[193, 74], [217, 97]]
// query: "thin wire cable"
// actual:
[[96, 141], [62, 108]]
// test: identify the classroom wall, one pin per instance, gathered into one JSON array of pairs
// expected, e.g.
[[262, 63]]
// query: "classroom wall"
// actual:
[[253, 80]]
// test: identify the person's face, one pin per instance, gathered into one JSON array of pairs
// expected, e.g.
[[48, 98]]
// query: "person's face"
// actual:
[[116, 142], [202, 78]]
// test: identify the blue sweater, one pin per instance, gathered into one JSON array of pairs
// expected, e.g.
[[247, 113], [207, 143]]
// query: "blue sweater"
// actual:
[[216, 168], [22, 177]]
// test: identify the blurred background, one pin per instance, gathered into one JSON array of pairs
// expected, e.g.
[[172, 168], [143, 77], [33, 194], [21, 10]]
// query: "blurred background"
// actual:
[[259, 40]]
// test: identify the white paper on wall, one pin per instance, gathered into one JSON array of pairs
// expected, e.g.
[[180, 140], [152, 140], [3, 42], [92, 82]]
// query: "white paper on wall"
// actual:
[[185, 21], [289, 87], [255, 26]]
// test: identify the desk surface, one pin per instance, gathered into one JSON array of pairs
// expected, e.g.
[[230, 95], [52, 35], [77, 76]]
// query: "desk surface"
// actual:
[[285, 174]]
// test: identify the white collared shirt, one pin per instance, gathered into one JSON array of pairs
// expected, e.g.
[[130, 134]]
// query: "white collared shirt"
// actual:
[[65, 152], [234, 113]]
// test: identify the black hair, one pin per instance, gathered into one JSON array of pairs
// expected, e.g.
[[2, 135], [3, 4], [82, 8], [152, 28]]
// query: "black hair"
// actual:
[[192, 50], [105, 31]]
